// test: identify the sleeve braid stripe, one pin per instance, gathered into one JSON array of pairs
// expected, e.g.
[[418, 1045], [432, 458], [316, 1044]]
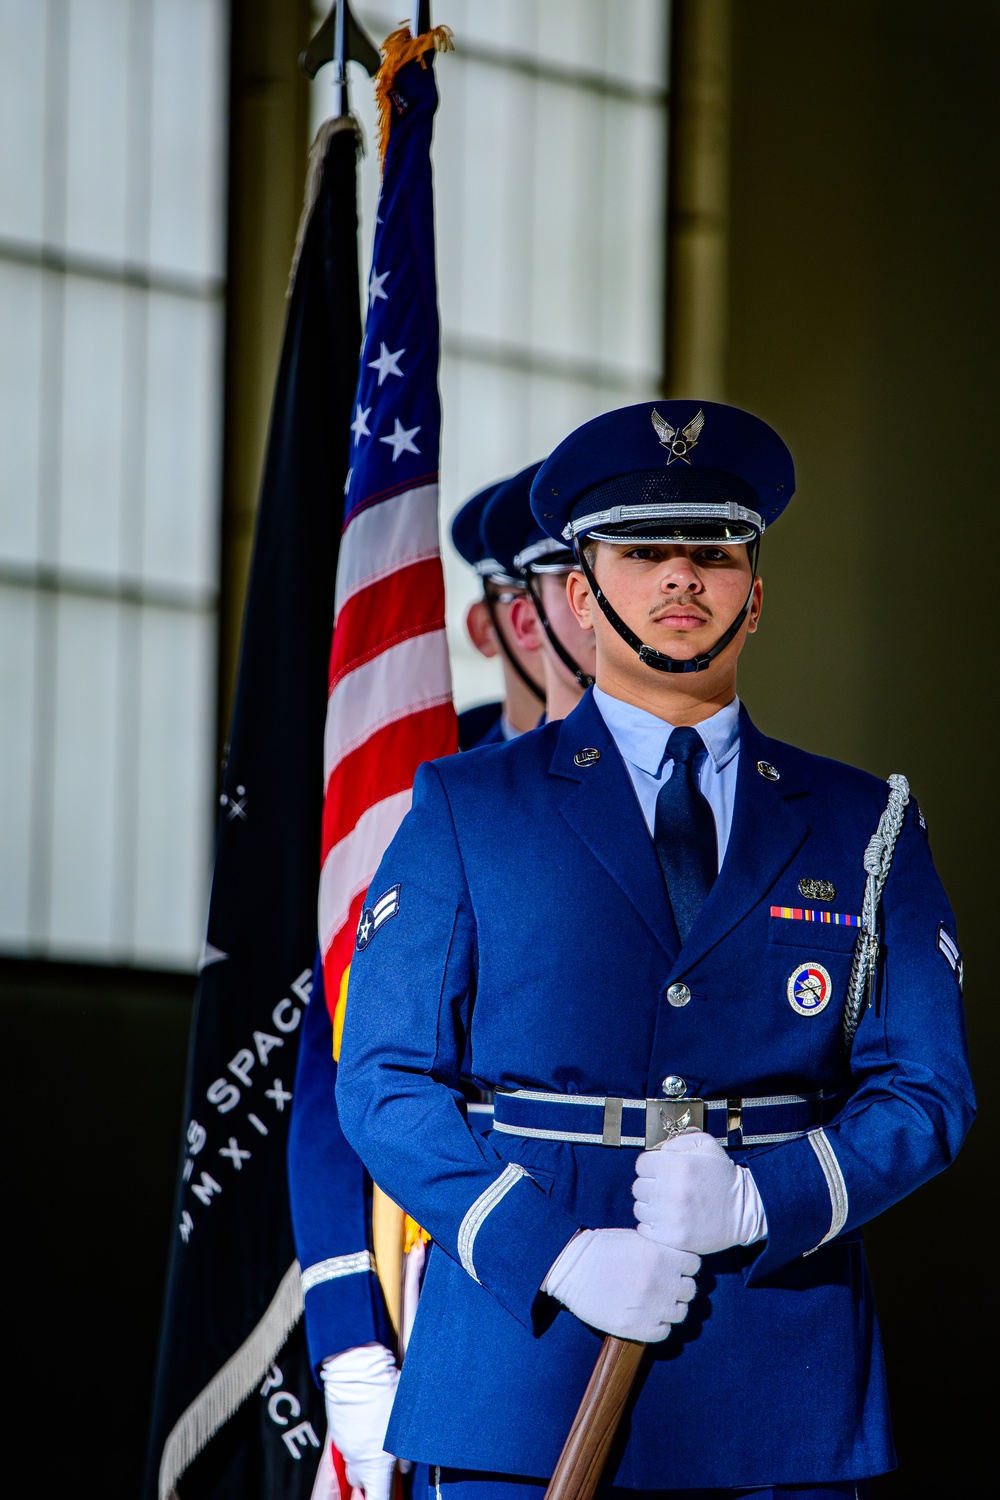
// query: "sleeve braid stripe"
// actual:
[[480, 1212], [834, 1180], [336, 1266]]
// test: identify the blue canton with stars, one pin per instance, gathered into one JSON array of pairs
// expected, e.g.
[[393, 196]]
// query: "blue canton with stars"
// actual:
[[396, 427]]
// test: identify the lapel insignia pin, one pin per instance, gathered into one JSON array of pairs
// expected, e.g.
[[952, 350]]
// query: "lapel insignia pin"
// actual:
[[587, 757], [817, 890], [769, 773], [678, 444]]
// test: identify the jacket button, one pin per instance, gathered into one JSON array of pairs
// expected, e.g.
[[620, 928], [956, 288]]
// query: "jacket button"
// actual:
[[678, 995], [673, 1087]]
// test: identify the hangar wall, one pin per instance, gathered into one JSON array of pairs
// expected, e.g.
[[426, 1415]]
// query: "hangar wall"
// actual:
[[864, 323]]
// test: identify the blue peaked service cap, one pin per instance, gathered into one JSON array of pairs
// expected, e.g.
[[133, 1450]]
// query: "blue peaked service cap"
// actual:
[[667, 471], [467, 534], [513, 536]]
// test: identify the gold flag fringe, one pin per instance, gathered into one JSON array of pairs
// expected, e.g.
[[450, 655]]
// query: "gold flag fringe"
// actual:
[[314, 176], [399, 48], [231, 1385]]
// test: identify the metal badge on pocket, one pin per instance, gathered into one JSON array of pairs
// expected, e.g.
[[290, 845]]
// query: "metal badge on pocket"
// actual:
[[809, 988]]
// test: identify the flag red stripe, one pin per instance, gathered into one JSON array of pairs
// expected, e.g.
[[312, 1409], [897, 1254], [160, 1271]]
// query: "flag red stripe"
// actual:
[[338, 955], [385, 764], [408, 602]]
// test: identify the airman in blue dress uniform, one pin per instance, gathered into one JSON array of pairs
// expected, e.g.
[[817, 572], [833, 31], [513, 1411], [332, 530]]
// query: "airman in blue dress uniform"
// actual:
[[715, 984], [488, 623], [541, 620]]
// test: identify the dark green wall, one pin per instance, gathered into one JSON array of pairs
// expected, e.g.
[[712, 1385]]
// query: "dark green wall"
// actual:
[[865, 325], [93, 1084]]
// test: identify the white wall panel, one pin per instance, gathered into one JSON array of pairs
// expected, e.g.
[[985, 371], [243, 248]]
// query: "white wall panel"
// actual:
[[83, 796], [183, 426], [98, 61], [18, 681], [22, 117], [497, 172], [94, 385], [629, 224], [486, 427], [174, 821], [497, 25], [189, 104], [113, 122], [21, 308], [569, 168], [635, 42]]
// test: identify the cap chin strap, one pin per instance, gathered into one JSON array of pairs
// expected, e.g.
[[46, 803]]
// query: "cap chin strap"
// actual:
[[648, 654], [534, 589], [525, 676]]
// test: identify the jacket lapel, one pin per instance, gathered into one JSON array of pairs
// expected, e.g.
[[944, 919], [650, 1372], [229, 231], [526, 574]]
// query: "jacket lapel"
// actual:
[[600, 805], [769, 827]]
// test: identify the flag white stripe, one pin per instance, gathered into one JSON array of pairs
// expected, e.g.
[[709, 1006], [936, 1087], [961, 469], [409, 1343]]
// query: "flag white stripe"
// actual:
[[351, 863], [408, 677], [385, 537]]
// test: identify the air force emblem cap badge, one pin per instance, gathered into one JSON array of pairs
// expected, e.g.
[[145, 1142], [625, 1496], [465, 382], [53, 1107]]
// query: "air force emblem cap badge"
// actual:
[[375, 916], [678, 443]]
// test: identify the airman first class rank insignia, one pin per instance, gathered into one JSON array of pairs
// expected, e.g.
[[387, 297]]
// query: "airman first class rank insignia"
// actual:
[[374, 917], [949, 948]]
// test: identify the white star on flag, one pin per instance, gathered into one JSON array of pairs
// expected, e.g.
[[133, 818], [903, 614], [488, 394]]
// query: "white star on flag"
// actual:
[[376, 287], [386, 363], [347, 481], [402, 440], [360, 426]]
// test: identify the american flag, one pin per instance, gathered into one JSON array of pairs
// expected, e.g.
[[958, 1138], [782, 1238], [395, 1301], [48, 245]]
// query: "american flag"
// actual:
[[390, 705]]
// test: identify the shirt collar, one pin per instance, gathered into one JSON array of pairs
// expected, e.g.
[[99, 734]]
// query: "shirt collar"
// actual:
[[642, 737]]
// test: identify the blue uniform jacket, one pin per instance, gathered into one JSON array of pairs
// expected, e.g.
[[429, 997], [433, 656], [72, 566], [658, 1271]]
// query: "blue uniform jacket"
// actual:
[[329, 1189], [481, 725], [330, 1195], [550, 954]]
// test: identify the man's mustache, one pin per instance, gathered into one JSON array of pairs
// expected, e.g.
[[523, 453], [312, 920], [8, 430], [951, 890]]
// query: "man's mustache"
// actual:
[[680, 606]]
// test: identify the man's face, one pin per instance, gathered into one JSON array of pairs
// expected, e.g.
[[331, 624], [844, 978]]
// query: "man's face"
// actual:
[[580, 643], [676, 598]]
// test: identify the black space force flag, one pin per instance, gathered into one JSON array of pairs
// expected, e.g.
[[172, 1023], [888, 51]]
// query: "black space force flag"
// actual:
[[236, 1412]]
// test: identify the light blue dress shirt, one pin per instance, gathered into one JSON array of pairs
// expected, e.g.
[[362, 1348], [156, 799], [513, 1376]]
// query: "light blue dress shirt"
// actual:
[[642, 739]]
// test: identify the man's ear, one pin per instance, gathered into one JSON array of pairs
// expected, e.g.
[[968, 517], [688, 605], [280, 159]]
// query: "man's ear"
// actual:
[[525, 624], [756, 605], [578, 594], [480, 628]]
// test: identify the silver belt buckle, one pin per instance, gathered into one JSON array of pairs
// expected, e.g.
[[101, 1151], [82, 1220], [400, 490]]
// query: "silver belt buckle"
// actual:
[[666, 1118]]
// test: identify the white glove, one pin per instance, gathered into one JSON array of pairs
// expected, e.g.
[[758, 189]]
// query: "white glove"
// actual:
[[359, 1386], [621, 1284], [689, 1193]]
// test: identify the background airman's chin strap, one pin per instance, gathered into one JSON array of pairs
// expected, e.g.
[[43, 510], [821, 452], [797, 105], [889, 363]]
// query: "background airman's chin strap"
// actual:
[[507, 650], [534, 589], [648, 654]]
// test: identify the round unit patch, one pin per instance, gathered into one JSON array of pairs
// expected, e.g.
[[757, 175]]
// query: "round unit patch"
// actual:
[[809, 989]]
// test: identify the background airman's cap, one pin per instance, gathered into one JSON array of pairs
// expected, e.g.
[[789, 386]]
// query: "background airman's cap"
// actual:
[[667, 471], [466, 533], [513, 536]]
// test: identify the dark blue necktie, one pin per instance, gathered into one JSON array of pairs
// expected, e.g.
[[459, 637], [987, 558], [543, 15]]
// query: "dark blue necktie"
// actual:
[[684, 832]]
